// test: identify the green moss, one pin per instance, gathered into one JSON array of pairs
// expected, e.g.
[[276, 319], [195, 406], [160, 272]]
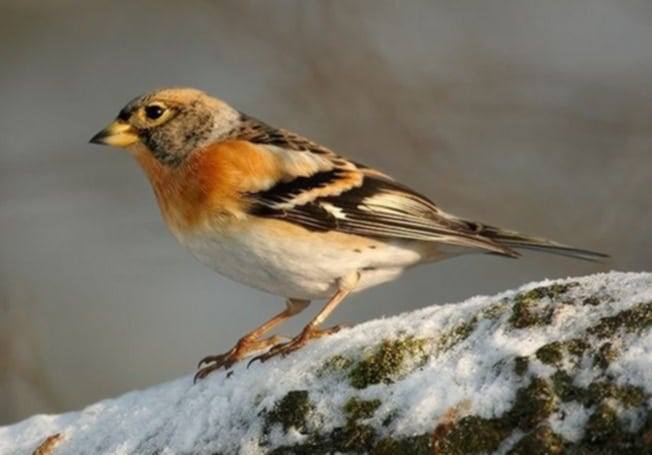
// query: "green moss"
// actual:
[[411, 445], [457, 334], [605, 355], [310, 447], [470, 434], [541, 441], [553, 291], [473, 434], [352, 437], [385, 362], [533, 404], [606, 431], [525, 312], [290, 411], [555, 352], [347, 439], [360, 439], [360, 409], [605, 434], [337, 362], [521, 365], [524, 315], [494, 310], [592, 300], [551, 353], [562, 384], [628, 395], [602, 424], [298, 449], [576, 346], [634, 319]]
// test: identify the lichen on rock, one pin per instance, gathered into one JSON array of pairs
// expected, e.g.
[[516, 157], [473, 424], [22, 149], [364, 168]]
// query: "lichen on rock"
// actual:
[[386, 361], [356, 408], [635, 319], [533, 404], [530, 307], [542, 441], [521, 365], [551, 368], [291, 411]]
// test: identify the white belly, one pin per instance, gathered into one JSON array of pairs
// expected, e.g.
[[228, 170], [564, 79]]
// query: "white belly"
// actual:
[[291, 262]]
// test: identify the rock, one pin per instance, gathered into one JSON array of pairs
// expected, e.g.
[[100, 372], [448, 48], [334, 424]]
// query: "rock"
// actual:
[[554, 367]]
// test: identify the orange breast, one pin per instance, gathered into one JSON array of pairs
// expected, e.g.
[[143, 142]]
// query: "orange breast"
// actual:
[[204, 190]]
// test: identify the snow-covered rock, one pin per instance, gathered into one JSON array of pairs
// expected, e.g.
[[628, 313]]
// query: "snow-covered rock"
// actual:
[[557, 366]]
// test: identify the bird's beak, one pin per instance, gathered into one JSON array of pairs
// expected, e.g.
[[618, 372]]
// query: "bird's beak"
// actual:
[[118, 134]]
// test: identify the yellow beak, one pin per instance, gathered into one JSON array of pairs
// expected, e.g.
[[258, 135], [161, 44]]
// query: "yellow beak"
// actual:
[[118, 134]]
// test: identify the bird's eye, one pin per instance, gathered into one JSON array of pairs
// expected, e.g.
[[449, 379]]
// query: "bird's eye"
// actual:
[[154, 111]]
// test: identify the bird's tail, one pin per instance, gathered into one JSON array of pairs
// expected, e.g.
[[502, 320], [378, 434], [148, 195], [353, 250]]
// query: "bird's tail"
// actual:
[[517, 240]]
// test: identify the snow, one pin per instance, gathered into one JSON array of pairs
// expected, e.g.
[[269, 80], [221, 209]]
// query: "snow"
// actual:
[[225, 413]]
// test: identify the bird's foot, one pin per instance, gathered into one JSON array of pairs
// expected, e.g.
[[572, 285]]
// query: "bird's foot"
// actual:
[[296, 343], [245, 346]]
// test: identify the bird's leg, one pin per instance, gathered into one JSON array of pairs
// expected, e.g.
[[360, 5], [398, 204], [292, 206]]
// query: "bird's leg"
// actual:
[[312, 330], [251, 342]]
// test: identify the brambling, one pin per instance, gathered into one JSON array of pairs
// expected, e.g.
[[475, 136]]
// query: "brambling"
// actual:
[[273, 210]]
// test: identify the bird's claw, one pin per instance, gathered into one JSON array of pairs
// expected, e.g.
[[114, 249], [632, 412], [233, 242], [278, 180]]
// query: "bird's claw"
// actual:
[[244, 346], [281, 349], [213, 359], [294, 344], [203, 372]]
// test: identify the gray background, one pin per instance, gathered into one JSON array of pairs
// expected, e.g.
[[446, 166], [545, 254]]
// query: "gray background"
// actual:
[[531, 115]]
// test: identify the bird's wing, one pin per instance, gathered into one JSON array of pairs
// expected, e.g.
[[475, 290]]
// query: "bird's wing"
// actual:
[[335, 194]]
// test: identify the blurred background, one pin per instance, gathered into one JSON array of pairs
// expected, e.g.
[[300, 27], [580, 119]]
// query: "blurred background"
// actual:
[[531, 115]]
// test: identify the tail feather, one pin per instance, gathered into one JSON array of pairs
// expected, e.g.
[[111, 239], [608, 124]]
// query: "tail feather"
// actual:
[[516, 240]]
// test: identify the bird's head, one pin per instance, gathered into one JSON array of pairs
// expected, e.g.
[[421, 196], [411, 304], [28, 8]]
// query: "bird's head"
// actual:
[[170, 124]]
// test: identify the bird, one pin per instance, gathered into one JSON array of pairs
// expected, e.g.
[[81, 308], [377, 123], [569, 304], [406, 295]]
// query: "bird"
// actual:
[[278, 212]]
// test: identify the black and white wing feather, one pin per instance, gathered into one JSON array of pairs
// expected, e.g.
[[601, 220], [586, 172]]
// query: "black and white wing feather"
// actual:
[[347, 197], [375, 208]]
